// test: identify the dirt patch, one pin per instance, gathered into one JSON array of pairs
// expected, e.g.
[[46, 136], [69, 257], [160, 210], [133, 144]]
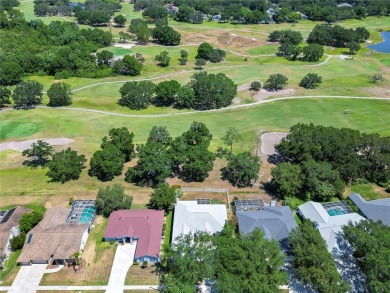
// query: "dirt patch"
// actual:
[[20, 146], [269, 140], [220, 39]]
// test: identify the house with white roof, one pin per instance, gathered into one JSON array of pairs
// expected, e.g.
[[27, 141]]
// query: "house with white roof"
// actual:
[[193, 216], [329, 219]]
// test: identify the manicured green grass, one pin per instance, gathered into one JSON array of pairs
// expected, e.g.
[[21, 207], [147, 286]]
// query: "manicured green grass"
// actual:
[[168, 229], [297, 219], [10, 265], [17, 129], [118, 51]]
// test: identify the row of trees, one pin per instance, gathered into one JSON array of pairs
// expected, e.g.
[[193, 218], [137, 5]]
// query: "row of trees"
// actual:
[[28, 94], [233, 263], [321, 160], [289, 46], [205, 91]]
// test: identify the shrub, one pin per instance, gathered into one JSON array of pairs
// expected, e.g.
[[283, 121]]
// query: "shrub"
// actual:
[[18, 242], [255, 86], [136, 263], [112, 242]]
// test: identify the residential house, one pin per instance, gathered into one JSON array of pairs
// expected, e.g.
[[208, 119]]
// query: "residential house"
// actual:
[[59, 235], [195, 216], [142, 226], [329, 219], [276, 222], [376, 210]]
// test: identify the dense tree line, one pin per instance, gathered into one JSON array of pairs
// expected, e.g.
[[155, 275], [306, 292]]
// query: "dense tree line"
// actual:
[[61, 49], [337, 36], [234, 263], [313, 264], [205, 91], [371, 243], [112, 198], [253, 12], [320, 160]]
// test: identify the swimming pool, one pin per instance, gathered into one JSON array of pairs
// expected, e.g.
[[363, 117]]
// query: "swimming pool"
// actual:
[[336, 212], [87, 214]]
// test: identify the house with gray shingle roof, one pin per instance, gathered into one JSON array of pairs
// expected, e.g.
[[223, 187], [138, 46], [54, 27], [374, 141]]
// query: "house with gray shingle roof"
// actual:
[[276, 222], [376, 210]]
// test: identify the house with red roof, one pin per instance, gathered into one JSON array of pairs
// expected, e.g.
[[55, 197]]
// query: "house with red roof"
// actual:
[[143, 226]]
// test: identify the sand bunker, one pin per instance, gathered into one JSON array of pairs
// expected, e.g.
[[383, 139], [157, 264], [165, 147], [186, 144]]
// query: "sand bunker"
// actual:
[[269, 140], [125, 46], [20, 146]]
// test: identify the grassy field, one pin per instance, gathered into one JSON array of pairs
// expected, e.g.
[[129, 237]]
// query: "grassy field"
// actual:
[[168, 229], [137, 275]]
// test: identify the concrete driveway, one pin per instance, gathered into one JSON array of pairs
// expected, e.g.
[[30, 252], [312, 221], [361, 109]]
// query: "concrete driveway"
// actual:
[[28, 279], [123, 260]]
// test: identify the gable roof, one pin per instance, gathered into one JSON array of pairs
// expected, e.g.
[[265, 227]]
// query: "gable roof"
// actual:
[[330, 227], [146, 225], [191, 217], [374, 209], [53, 237], [13, 221], [315, 212], [276, 222]]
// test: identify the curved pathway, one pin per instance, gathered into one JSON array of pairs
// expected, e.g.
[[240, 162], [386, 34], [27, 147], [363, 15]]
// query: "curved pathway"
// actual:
[[194, 70], [208, 111]]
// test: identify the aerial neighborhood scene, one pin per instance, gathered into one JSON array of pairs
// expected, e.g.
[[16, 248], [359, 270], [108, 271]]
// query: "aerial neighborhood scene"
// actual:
[[195, 146]]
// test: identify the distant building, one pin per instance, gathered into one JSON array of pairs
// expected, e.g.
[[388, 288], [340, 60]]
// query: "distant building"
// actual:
[[143, 226], [329, 219], [216, 17], [172, 9], [59, 235], [192, 217], [376, 210], [276, 222], [9, 228]]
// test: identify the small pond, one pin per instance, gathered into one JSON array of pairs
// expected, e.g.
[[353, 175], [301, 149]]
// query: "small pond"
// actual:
[[383, 47]]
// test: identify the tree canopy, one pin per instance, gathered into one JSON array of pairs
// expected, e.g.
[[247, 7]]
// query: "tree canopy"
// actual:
[[59, 95], [122, 139], [38, 155], [165, 35], [276, 82], [5, 94], [27, 94], [371, 242], [136, 95], [112, 198], [311, 81], [66, 165], [163, 198], [29, 221], [107, 163], [242, 170], [313, 264], [212, 91]]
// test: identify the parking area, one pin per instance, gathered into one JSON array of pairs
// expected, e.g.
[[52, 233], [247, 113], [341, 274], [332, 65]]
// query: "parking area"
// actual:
[[28, 279]]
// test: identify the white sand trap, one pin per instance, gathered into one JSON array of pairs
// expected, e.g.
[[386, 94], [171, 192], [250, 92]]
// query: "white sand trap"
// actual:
[[253, 39], [368, 41], [125, 46], [234, 35], [20, 146], [269, 140], [263, 94], [343, 57]]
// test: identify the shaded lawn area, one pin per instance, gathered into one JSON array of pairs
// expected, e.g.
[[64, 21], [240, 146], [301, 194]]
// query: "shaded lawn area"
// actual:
[[139, 276], [8, 275], [168, 229]]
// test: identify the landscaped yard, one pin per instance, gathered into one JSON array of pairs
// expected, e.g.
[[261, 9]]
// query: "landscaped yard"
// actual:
[[139, 276], [168, 229], [368, 191]]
